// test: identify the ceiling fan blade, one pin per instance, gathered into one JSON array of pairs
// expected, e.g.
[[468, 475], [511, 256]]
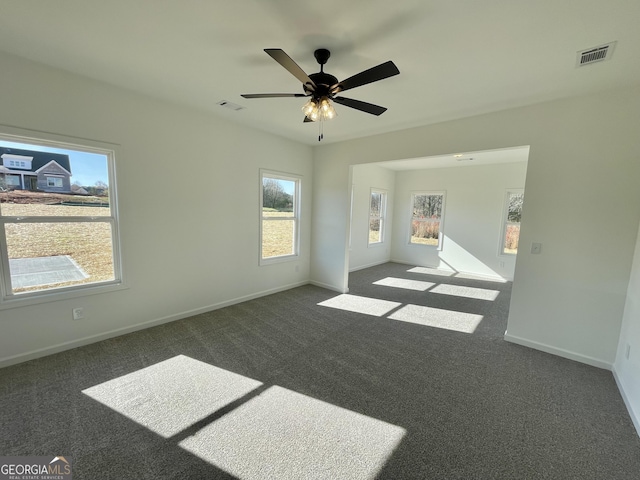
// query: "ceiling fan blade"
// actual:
[[380, 72], [359, 105], [272, 95], [307, 120], [286, 61]]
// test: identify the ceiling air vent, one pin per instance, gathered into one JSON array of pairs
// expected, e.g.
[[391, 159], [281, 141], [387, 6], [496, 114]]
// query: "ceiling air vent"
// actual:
[[230, 105], [596, 54]]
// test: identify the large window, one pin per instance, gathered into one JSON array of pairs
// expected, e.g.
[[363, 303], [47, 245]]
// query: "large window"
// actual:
[[511, 222], [426, 218], [58, 231], [377, 213], [279, 212]]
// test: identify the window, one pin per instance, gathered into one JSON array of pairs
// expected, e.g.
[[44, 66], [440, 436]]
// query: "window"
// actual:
[[54, 182], [57, 245], [426, 219], [511, 222], [279, 217], [12, 180], [377, 212]]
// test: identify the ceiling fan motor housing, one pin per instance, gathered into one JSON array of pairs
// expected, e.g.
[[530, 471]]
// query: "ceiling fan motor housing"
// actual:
[[323, 82]]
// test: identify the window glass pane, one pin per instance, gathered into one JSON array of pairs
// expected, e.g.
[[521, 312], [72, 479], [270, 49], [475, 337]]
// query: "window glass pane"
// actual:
[[427, 206], [50, 255], [511, 238], [278, 238], [53, 177], [512, 226], [426, 219], [425, 232], [374, 230], [515, 207], [278, 194], [376, 203], [376, 216]]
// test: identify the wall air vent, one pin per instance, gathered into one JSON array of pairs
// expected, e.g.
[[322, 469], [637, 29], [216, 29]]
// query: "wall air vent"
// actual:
[[230, 105], [595, 54]]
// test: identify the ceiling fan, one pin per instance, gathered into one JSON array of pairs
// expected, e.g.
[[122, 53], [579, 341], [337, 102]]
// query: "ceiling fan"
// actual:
[[322, 87]]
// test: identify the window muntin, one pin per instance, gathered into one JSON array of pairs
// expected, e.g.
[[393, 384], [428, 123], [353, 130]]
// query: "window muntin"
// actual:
[[427, 218], [58, 244], [279, 217], [511, 222], [377, 212]]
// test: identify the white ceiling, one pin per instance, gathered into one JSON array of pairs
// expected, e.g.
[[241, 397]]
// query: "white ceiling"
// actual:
[[456, 58]]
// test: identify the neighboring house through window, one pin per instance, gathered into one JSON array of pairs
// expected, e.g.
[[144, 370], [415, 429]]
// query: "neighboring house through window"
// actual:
[[427, 218], [279, 216], [511, 222], [377, 213], [54, 247]]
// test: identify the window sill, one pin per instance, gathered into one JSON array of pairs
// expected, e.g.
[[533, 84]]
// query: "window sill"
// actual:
[[16, 301], [282, 259]]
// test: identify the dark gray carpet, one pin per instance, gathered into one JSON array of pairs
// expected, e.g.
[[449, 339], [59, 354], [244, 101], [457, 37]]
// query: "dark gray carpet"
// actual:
[[281, 387]]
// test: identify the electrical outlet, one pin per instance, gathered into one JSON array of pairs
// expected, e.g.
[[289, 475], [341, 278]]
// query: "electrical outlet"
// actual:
[[78, 313]]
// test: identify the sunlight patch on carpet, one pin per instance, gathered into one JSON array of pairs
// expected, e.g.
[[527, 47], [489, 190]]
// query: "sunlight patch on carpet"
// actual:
[[431, 271], [365, 305], [171, 395], [284, 434], [416, 285], [467, 292], [435, 317]]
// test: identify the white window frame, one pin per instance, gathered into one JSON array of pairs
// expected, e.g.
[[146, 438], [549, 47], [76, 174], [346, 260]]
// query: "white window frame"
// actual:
[[443, 194], [381, 217], [297, 179], [52, 180], [505, 221], [8, 299]]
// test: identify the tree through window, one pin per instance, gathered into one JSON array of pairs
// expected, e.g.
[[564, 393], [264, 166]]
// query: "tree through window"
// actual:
[[426, 218]]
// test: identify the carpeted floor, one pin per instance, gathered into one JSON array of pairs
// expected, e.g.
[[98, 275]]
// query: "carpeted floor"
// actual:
[[407, 376]]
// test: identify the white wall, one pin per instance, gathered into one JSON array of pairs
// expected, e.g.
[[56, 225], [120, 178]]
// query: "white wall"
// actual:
[[583, 165], [185, 249], [472, 220], [365, 178], [627, 370]]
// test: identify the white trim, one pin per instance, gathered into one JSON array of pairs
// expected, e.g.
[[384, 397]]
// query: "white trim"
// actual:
[[61, 347], [375, 264], [326, 286], [560, 352], [635, 417]]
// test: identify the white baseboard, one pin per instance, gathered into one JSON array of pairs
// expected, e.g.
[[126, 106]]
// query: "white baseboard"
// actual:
[[472, 275], [635, 416], [43, 352], [374, 264], [333, 288], [594, 362]]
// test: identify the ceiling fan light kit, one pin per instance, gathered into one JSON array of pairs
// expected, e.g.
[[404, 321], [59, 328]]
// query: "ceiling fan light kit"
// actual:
[[323, 87]]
